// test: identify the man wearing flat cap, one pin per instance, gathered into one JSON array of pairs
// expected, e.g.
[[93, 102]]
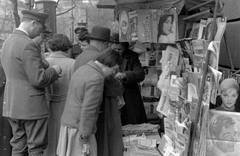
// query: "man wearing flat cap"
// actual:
[[76, 49], [25, 104]]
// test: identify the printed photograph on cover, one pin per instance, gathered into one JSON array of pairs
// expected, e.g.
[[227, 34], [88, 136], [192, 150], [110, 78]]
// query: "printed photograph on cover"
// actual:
[[185, 48], [123, 26], [223, 136], [133, 24], [167, 26]]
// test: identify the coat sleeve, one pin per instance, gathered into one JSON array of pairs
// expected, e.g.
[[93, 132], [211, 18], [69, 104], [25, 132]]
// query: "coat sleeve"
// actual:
[[32, 64], [137, 73], [113, 87], [90, 106]]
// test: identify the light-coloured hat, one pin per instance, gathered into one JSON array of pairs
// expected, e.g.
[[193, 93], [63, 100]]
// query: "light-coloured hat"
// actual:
[[229, 82]]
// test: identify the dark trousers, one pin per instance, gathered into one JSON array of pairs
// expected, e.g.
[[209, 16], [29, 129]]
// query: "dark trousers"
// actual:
[[29, 137]]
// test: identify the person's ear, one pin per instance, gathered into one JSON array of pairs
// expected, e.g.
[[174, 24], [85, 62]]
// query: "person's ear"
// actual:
[[105, 45]]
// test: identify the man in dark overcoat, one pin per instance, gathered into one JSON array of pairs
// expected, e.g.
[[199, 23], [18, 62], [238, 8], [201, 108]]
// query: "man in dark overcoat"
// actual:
[[25, 105]]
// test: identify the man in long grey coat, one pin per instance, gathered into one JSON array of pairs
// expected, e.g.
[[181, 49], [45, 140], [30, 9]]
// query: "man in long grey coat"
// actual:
[[25, 104]]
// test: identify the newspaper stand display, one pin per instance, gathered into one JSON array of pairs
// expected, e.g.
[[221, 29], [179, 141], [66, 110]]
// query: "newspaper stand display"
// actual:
[[189, 74]]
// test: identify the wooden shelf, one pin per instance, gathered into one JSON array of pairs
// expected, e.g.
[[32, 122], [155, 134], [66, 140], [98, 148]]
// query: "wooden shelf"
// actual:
[[200, 5], [201, 15]]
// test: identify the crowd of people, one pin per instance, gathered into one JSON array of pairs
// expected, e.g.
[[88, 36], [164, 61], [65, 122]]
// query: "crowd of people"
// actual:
[[74, 100]]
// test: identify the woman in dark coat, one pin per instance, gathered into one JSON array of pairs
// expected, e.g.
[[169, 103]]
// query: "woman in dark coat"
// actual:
[[133, 112], [109, 127]]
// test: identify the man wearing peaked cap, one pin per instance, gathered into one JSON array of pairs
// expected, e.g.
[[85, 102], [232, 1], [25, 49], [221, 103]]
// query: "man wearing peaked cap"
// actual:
[[25, 104], [99, 41], [34, 15]]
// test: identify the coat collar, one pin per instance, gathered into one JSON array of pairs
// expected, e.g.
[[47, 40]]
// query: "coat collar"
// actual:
[[95, 66], [58, 54], [92, 48], [20, 32]]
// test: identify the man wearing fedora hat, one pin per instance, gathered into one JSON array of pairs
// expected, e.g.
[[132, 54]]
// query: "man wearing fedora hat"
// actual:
[[25, 105], [99, 41]]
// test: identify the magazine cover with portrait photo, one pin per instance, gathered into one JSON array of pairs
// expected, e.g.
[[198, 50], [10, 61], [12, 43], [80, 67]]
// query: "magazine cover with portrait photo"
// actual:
[[223, 136], [123, 26], [167, 26]]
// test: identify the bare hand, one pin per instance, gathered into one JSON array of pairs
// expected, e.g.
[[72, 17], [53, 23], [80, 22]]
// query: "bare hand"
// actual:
[[120, 76], [86, 148]]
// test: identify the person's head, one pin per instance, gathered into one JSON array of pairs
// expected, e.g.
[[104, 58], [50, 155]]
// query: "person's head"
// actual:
[[165, 24], [33, 22], [222, 130], [59, 42], [100, 37], [78, 30], [229, 90], [83, 39], [118, 46], [109, 62]]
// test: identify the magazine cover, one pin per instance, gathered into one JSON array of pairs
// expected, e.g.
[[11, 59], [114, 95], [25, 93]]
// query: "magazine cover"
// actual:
[[147, 25], [144, 26], [223, 136], [167, 26], [133, 24], [123, 26], [195, 30], [202, 28], [188, 32]]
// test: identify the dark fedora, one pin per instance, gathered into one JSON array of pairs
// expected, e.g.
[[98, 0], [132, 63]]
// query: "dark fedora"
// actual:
[[100, 33]]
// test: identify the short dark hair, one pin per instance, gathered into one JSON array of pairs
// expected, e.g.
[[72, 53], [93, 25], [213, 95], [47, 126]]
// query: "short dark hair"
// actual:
[[59, 42], [115, 39], [110, 58], [218, 122], [83, 36]]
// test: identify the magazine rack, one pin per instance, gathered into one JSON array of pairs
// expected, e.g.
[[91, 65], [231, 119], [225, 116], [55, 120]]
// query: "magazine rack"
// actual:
[[192, 18]]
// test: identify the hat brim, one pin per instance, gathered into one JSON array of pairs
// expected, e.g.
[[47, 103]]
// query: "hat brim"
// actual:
[[96, 38]]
